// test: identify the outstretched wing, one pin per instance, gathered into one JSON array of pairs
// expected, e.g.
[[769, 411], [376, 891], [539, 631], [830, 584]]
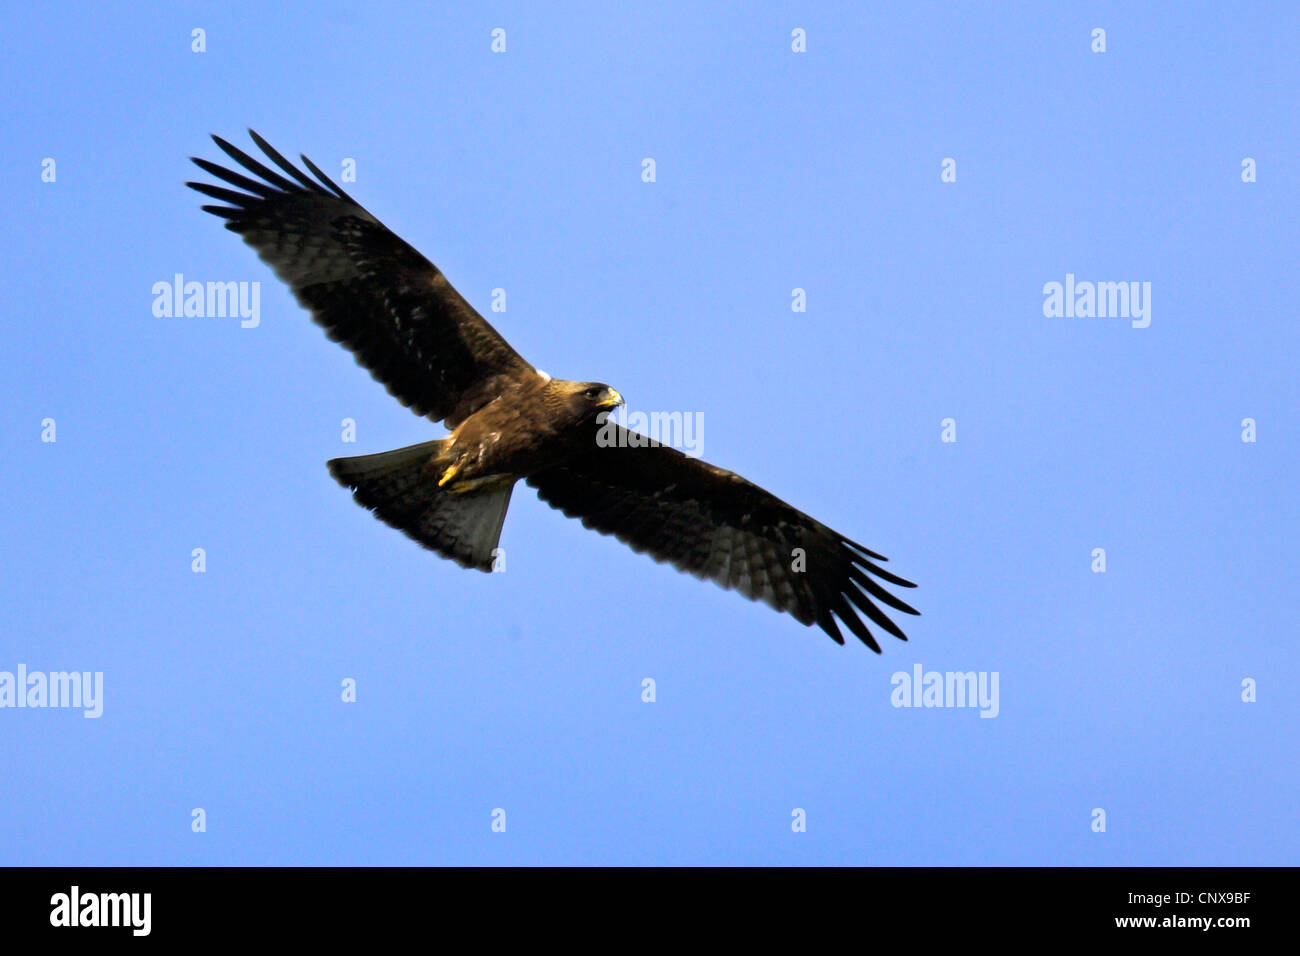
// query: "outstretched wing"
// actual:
[[720, 527], [370, 290]]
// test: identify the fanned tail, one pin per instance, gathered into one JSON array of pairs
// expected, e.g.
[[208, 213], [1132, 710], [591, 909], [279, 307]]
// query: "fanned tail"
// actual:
[[400, 488]]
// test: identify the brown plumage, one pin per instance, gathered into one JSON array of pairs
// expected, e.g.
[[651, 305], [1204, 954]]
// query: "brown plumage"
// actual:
[[404, 322]]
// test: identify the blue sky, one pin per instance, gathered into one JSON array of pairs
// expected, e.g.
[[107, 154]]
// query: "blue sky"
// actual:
[[775, 170]]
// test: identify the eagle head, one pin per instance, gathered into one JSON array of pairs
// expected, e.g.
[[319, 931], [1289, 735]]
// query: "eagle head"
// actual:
[[583, 401]]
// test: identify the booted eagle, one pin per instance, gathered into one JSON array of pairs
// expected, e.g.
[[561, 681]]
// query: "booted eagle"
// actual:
[[404, 322]]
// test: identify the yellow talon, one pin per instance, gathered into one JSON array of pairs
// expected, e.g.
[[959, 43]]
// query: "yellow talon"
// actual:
[[448, 475]]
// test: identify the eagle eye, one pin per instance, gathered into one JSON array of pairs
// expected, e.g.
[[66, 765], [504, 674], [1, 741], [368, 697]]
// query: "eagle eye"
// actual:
[[593, 392]]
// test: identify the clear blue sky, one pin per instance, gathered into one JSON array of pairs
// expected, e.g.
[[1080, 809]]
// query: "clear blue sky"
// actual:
[[775, 170]]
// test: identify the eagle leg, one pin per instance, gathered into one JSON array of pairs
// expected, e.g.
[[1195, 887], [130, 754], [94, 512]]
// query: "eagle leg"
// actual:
[[449, 474]]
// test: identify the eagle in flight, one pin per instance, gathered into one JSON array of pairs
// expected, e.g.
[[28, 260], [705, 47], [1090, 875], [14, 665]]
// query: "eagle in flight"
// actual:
[[417, 335]]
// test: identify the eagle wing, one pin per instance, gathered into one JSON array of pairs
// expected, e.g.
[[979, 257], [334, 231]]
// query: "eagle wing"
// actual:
[[716, 525], [370, 290]]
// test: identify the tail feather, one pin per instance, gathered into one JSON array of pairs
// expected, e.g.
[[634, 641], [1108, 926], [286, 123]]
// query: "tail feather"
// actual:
[[399, 488]]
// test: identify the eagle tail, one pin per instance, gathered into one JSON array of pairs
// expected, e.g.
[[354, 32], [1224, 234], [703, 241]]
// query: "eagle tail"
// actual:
[[400, 488]]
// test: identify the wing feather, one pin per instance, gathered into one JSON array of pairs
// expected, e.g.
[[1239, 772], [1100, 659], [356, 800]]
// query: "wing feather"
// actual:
[[366, 287], [716, 525]]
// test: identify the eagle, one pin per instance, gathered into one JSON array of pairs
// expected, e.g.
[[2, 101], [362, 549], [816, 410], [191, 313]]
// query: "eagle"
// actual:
[[405, 323]]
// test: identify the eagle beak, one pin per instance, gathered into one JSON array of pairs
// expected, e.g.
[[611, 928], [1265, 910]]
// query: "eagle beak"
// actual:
[[612, 399]]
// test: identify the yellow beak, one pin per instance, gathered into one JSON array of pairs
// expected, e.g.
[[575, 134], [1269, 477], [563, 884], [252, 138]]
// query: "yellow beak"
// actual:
[[612, 399]]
